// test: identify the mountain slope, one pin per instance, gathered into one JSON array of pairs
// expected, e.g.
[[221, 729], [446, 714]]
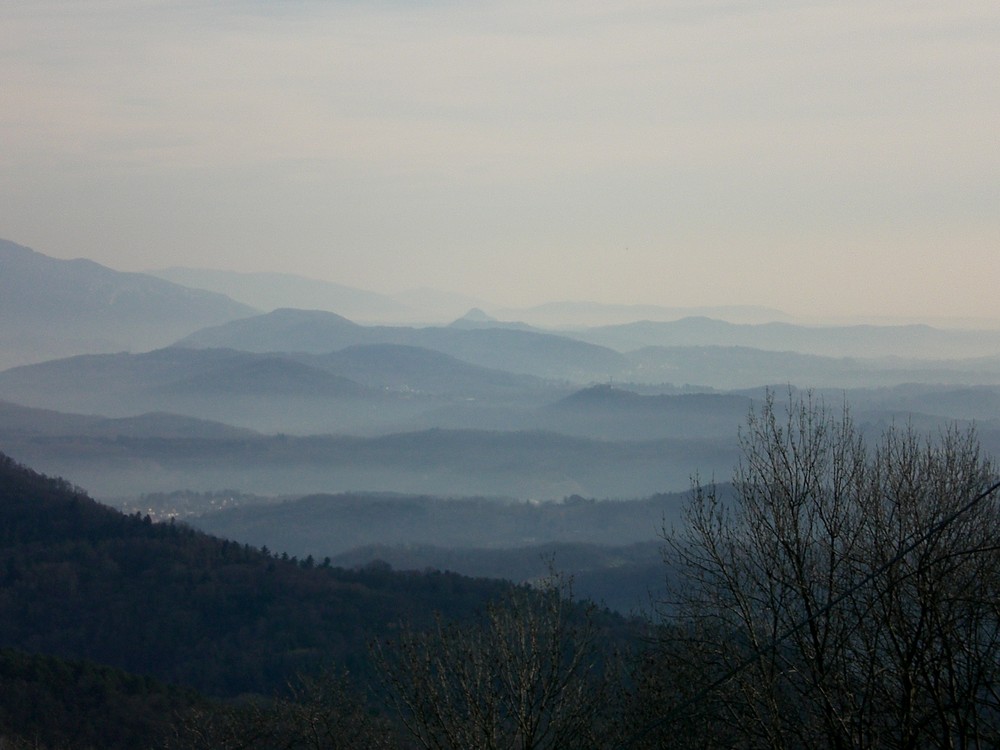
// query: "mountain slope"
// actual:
[[79, 580], [54, 308]]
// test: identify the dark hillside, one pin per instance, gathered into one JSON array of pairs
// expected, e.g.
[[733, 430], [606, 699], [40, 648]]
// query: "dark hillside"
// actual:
[[48, 702], [79, 580], [626, 578]]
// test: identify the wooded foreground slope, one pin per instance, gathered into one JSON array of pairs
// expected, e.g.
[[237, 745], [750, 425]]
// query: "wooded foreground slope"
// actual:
[[80, 580]]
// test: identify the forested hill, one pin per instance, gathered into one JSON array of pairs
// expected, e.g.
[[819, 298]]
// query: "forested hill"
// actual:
[[80, 580]]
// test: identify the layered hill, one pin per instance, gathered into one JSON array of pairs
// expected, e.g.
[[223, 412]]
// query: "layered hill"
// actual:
[[612, 549], [54, 308], [542, 444], [519, 351], [46, 423], [870, 341], [361, 389], [326, 524], [735, 367], [695, 351]]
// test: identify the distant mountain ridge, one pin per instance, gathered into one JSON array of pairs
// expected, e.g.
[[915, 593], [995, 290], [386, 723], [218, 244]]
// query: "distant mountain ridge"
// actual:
[[315, 331], [870, 341], [364, 389], [259, 391], [55, 308], [272, 291], [576, 314], [726, 367], [16, 419]]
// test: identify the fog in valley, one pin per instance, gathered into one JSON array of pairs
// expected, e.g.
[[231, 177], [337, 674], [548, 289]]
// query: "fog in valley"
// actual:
[[326, 435]]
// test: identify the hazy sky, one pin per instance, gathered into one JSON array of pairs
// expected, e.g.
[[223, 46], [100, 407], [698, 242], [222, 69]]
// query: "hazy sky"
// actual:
[[827, 158]]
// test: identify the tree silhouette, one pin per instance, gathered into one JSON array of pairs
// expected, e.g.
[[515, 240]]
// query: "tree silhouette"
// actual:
[[846, 595]]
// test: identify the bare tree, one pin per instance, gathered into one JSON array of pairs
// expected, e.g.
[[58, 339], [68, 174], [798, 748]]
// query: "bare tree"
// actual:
[[527, 676], [931, 623], [846, 596]]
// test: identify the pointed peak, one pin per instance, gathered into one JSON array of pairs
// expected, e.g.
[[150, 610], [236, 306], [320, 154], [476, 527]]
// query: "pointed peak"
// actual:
[[478, 315]]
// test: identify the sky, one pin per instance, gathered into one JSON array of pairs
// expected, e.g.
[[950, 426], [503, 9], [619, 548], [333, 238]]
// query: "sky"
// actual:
[[826, 158]]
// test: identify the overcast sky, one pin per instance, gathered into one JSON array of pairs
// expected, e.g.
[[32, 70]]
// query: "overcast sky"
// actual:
[[826, 158]]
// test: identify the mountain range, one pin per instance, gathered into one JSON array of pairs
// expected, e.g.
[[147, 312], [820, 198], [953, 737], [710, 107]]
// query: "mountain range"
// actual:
[[867, 341], [271, 291], [315, 331], [298, 401]]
